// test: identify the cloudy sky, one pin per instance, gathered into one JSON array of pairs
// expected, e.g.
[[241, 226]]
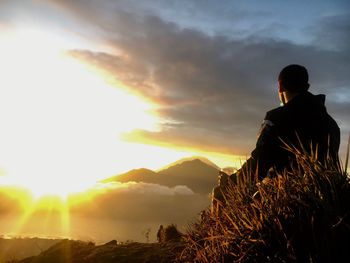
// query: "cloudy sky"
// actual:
[[142, 83]]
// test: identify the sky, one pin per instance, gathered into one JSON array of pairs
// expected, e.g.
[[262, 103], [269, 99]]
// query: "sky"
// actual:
[[90, 89]]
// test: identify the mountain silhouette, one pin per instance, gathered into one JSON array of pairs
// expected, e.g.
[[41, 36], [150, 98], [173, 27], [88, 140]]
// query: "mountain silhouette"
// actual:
[[197, 175], [135, 175], [202, 159], [194, 173]]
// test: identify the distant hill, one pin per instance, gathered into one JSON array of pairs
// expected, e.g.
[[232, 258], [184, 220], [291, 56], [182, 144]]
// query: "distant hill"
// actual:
[[69, 251], [194, 173]]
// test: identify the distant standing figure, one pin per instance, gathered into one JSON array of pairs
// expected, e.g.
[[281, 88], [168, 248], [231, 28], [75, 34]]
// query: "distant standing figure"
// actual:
[[301, 121], [218, 197], [161, 234]]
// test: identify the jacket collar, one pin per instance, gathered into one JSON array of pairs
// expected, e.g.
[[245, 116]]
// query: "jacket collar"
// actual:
[[308, 98]]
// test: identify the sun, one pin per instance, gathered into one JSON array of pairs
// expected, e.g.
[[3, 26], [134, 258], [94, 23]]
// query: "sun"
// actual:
[[60, 121]]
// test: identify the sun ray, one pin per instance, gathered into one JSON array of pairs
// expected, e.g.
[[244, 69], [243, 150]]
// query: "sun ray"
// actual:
[[65, 219], [47, 218], [22, 220]]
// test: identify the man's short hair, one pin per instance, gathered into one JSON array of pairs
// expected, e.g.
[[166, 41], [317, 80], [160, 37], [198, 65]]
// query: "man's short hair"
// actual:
[[294, 78]]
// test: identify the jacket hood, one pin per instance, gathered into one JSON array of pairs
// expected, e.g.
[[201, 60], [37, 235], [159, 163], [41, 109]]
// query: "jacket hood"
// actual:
[[307, 98], [321, 98]]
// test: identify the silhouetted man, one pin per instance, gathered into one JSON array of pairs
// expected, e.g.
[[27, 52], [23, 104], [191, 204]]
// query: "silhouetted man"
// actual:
[[301, 121], [161, 234]]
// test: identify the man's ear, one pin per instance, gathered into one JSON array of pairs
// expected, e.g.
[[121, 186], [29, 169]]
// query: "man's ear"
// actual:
[[280, 87]]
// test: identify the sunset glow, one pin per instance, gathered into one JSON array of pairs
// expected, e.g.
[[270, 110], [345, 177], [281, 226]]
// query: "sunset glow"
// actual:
[[57, 116], [117, 117], [63, 125]]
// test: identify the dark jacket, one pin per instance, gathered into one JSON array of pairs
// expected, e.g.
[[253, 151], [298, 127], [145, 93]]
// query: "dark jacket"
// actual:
[[302, 121]]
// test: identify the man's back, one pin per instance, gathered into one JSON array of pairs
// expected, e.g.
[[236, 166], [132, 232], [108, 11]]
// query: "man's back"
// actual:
[[302, 122]]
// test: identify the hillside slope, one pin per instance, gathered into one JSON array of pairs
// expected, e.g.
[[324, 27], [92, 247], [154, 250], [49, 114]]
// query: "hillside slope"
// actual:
[[19, 248], [83, 252]]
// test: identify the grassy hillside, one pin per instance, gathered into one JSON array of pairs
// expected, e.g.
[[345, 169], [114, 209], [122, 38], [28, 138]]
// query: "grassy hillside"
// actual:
[[301, 215]]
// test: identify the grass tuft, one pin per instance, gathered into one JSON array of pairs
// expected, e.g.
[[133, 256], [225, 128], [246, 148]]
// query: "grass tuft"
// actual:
[[300, 215]]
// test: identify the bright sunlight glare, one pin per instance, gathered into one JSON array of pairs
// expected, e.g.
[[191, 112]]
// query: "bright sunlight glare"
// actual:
[[60, 121]]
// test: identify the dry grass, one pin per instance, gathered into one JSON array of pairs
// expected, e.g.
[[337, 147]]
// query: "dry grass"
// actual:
[[302, 215]]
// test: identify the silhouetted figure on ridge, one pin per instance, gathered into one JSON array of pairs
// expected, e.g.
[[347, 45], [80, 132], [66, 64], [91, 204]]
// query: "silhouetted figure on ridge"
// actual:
[[301, 121], [161, 234]]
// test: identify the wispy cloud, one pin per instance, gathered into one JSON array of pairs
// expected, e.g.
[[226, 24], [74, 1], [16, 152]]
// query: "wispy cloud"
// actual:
[[211, 90]]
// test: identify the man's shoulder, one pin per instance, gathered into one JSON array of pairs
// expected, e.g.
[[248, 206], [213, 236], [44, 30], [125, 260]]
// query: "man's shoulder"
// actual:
[[276, 115], [272, 119]]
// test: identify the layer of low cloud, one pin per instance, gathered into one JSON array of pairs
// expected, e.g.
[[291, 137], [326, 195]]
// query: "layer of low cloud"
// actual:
[[145, 188], [111, 210], [142, 202], [111, 200]]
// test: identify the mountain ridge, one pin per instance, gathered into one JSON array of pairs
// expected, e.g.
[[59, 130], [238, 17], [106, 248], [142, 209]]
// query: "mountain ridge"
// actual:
[[136, 174], [195, 173], [192, 158]]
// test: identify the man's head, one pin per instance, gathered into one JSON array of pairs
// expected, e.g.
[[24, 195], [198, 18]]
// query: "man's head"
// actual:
[[294, 79]]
